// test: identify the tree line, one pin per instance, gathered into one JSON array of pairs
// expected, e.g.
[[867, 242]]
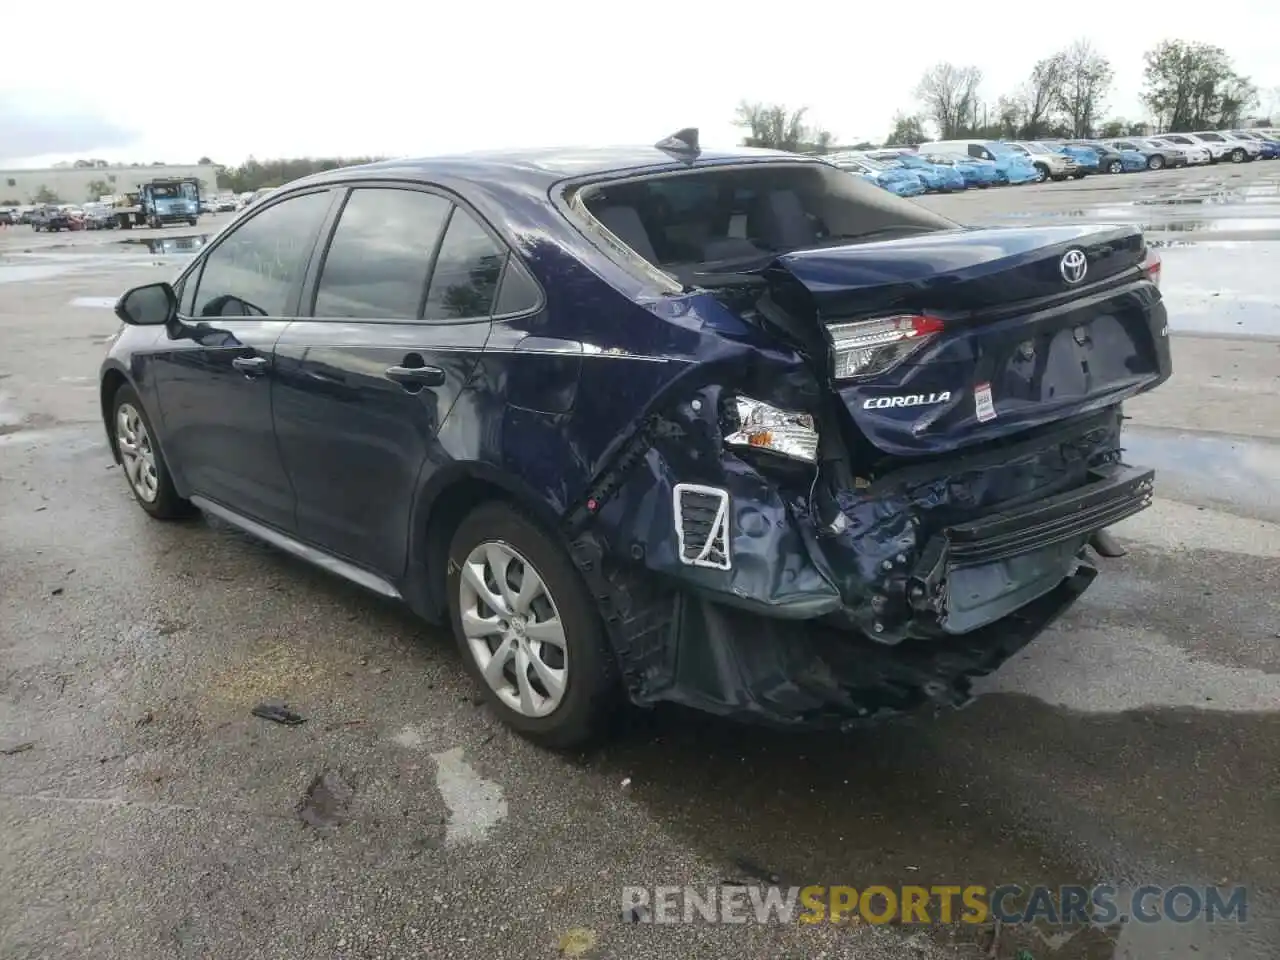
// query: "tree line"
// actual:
[[255, 174], [1186, 86]]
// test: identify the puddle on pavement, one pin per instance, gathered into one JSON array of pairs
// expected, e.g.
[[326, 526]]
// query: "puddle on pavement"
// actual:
[[1226, 467], [1213, 286], [327, 801], [1225, 224], [183, 244]]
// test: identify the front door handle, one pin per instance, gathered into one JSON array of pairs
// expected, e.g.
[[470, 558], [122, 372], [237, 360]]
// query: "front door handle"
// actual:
[[415, 378], [250, 366]]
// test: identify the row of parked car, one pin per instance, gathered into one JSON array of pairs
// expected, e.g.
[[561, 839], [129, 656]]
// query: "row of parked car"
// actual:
[[949, 165]]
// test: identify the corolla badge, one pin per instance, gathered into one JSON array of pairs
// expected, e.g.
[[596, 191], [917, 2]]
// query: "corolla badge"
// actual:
[[1074, 266]]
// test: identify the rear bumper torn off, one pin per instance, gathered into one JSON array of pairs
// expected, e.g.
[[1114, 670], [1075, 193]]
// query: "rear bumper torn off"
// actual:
[[800, 611]]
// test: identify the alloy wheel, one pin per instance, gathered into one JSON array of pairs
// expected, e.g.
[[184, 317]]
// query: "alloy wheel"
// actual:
[[137, 453], [513, 629]]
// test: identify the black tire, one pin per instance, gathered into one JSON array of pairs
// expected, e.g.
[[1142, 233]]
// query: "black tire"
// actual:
[[1042, 173], [167, 505], [1115, 166], [1155, 162], [1058, 177], [593, 693], [1237, 155], [1080, 174], [192, 221]]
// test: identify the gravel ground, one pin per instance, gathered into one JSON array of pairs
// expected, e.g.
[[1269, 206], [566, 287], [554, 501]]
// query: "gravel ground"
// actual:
[[147, 814]]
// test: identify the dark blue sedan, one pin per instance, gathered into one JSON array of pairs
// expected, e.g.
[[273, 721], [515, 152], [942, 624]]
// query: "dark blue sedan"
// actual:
[[731, 428]]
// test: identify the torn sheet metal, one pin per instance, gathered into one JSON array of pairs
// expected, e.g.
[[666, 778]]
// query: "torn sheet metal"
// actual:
[[830, 604]]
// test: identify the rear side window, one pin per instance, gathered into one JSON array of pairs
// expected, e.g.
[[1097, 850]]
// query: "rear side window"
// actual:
[[464, 284], [378, 260], [1211, 136], [519, 292], [257, 269]]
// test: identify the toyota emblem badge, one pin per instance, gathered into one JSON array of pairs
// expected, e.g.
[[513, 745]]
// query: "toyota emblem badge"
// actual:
[[1074, 266]]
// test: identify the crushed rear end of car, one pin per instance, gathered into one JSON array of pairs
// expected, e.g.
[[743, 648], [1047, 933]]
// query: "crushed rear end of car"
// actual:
[[877, 473]]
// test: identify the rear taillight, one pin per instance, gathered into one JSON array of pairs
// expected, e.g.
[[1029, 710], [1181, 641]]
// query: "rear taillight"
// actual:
[[869, 347], [1151, 267]]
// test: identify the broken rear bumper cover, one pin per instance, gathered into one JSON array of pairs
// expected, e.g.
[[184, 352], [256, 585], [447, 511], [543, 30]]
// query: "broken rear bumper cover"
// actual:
[[722, 589]]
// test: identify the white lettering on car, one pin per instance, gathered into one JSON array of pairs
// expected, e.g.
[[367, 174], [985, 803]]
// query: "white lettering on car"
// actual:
[[907, 400]]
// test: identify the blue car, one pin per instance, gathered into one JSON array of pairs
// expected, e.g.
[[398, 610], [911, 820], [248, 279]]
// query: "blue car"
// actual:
[[899, 181], [1087, 158], [732, 429], [1012, 165], [976, 173], [947, 178]]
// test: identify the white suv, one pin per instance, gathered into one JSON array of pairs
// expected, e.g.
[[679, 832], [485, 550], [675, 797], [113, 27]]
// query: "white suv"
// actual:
[[1239, 149]]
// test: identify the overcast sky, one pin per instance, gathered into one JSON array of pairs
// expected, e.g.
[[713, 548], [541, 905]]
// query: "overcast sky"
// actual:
[[396, 78]]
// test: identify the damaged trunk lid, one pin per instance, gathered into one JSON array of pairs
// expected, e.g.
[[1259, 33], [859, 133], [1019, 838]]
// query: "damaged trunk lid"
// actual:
[[948, 339]]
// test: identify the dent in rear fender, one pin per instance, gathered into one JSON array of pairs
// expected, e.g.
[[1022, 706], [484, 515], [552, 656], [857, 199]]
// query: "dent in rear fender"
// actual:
[[773, 563]]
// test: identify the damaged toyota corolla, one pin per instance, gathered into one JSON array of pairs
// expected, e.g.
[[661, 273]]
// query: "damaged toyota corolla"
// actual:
[[731, 429]]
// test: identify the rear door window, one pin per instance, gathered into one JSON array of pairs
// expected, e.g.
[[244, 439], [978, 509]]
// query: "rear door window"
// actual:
[[377, 263], [464, 283]]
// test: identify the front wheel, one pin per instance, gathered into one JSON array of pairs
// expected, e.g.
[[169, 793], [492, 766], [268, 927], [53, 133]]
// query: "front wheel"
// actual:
[[144, 465], [1115, 166], [1237, 155], [1155, 163], [529, 631], [1042, 173], [1080, 174]]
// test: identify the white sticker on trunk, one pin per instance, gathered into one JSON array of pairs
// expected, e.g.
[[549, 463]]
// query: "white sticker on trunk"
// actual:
[[982, 402]]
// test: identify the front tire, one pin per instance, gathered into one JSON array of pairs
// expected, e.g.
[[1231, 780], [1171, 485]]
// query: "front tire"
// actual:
[[1115, 166], [529, 631], [1080, 174], [144, 465], [1155, 163], [1237, 155], [1042, 173]]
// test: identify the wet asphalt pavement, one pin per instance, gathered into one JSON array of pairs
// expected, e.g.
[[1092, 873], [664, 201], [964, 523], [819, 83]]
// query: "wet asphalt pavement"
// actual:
[[152, 816]]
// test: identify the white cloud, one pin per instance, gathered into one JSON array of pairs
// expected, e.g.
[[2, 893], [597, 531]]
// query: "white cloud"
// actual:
[[397, 78]]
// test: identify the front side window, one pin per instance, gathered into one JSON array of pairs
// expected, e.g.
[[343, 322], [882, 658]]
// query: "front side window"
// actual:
[[377, 263], [465, 280], [255, 271]]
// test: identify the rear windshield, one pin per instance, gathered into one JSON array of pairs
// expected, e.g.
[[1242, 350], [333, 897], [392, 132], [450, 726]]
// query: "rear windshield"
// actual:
[[729, 216]]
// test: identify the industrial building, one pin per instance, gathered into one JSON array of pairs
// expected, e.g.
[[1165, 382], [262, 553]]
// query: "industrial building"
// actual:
[[71, 184]]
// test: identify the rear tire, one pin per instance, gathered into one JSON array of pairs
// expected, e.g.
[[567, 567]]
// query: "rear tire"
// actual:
[[142, 461], [1080, 174], [496, 538]]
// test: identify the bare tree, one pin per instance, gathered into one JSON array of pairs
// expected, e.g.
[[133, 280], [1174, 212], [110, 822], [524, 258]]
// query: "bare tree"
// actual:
[[774, 126], [1086, 81], [1041, 95], [950, 97]]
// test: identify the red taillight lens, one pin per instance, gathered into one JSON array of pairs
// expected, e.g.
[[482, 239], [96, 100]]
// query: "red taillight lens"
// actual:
[[868, 347], [1151, 267]]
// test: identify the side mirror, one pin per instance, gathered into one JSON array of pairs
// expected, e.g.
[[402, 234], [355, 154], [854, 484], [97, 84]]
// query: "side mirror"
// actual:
[[151, 305]]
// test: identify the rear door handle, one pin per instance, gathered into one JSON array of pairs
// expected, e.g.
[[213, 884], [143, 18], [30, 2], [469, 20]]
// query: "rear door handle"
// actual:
[[415, 378], [250, 366]]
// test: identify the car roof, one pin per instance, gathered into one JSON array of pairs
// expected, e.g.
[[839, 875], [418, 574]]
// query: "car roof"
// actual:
[[545, 166]]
